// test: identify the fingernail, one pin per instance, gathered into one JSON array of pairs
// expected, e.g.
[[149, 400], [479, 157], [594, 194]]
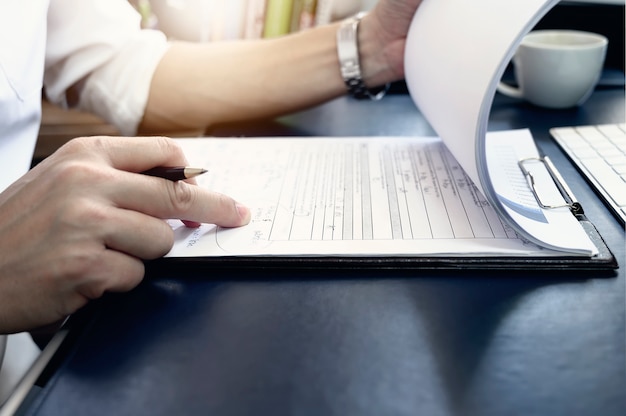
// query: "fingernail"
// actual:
[[191, 224], [244, 213]]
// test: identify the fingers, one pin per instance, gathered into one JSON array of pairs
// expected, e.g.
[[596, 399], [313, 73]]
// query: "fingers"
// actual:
[[137, 234], [165, 199], [154, 196], [79, 224], [119, 272], [43, 297], [132, 154]]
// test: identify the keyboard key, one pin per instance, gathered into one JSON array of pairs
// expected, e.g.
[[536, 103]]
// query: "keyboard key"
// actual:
[[585, 152], [610, 180], [600, 153], [574, 141], [620, 169], [611, 130]]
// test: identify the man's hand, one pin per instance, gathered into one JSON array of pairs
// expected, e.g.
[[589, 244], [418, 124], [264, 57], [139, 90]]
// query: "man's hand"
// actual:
[[81, 222], [382, 36]]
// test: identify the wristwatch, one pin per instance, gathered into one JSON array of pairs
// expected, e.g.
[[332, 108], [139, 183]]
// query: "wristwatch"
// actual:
[[348, 53]]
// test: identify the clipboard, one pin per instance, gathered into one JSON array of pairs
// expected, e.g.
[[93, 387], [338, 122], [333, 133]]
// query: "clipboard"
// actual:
[[603, 264], [424, 66], [216, 248], [570, 201]]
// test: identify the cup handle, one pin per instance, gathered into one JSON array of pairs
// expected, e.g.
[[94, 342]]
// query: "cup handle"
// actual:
[[508, 90]]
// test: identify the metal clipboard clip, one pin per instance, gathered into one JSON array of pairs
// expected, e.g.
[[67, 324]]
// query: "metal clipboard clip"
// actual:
[[566, 193]]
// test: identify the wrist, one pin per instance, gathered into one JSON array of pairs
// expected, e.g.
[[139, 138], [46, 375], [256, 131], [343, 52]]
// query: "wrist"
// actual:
[[358, 70], [374, 63]]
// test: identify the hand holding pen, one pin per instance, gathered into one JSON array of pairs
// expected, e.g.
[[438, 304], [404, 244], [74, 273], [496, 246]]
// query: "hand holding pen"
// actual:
[[83, 222], [176, 173]]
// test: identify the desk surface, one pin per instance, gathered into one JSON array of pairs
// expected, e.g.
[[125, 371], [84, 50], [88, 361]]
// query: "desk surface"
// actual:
[[367, 342]]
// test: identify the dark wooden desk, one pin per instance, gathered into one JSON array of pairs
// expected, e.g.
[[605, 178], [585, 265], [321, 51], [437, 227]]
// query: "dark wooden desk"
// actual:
[[59, 125], [364, 342]]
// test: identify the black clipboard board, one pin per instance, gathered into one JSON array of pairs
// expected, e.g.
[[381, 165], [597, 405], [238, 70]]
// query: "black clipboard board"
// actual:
[[604, 260]]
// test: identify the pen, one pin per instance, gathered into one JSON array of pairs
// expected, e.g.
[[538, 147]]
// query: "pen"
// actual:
[[174, 173]]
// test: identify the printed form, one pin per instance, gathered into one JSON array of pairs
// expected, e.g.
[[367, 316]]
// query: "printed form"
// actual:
[[344, 196]]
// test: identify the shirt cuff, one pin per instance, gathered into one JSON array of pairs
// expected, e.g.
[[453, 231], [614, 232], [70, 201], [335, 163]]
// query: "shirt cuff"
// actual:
[[118, 90]]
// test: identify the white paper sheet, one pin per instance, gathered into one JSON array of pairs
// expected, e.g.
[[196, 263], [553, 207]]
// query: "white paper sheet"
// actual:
[[400, 196], [386, 196], [456, 53]]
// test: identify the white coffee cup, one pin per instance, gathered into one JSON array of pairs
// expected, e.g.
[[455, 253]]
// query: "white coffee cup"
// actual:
[[557, 68]]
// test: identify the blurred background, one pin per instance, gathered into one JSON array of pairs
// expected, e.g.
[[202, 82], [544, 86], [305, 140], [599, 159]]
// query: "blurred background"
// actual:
[[214, 20]]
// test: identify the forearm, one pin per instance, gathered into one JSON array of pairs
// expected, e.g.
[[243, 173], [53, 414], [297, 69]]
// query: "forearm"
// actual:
[[198, 85]]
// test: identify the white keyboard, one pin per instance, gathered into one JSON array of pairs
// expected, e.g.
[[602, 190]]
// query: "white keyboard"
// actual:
[[599, 152]]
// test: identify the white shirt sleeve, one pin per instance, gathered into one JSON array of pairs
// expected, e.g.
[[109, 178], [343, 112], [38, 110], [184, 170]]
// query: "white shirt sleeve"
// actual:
[[99, 45]]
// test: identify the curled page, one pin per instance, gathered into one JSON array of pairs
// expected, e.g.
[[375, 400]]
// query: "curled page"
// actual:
[[456, 52]]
